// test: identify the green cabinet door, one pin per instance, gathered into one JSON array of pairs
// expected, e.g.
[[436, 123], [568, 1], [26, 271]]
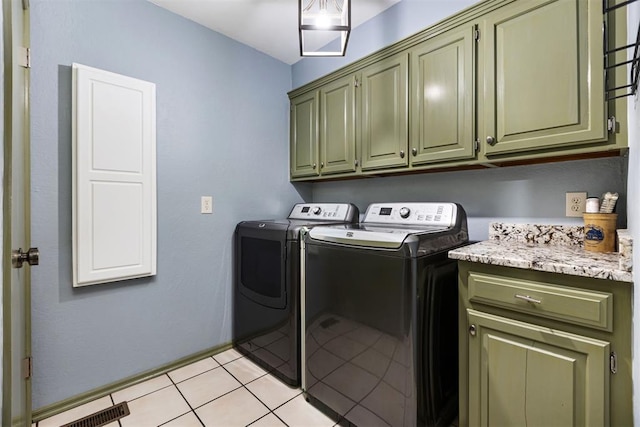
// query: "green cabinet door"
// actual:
[[384, 99], [337, 126], [442, 98], [303, 140], [522, 374], [543, 76]]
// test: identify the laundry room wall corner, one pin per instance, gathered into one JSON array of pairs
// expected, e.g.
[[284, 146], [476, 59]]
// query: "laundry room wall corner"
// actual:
[[217, 127]]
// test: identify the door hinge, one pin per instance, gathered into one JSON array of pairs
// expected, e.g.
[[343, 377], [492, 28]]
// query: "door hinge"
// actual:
[[24, 57], [476, 34], [476, 145], [613, 362], [611, 124], [356, 82], [27, 367]]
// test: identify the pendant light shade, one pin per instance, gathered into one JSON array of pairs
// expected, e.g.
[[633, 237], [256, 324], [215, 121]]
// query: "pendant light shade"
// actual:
[[320, 22]]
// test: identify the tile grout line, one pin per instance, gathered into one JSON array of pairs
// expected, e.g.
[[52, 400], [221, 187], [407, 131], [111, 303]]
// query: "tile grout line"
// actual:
[[193, 411], [272, 411], [245, 387], [142, 395], [113, 404]]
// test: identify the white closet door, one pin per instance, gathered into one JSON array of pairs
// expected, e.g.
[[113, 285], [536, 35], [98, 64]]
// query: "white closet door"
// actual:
[[114, 177]]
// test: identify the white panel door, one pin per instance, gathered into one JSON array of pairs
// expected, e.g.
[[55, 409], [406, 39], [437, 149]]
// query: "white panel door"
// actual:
[[114, 214]]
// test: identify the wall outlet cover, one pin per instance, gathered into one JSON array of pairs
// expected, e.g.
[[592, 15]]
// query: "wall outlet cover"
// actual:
[[206, 204], [575, 203]]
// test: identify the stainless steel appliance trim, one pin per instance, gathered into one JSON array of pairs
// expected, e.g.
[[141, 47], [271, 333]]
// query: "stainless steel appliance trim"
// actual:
[[303, 367]]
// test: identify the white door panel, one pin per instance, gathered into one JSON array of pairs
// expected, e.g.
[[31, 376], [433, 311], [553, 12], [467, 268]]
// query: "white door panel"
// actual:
[[114, 177]]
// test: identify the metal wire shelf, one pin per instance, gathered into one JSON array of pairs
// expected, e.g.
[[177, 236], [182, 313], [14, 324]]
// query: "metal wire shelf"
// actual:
[[632, 86]]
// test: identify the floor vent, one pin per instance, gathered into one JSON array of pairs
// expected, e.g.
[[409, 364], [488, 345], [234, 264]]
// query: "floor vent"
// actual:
[[103, 417]]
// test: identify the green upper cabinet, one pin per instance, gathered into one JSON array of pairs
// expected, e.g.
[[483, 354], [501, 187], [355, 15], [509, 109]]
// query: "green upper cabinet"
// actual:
[[337, 126], [442, 98], [384, 99], [523, 374], [499, 82], [543, 76], [304, 135]]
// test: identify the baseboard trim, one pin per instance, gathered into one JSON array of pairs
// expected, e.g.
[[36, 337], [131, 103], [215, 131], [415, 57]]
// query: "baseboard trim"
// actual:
[[80, 399]]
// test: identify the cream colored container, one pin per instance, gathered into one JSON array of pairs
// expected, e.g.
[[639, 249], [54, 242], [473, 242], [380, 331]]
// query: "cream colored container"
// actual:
[[600, 232]]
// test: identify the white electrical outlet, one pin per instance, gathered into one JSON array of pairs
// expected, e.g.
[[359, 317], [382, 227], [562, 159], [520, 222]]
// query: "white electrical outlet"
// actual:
[[575, 203], [206, 204]]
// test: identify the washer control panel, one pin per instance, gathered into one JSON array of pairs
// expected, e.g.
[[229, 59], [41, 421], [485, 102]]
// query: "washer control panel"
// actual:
[[435, 214], [324, 211]]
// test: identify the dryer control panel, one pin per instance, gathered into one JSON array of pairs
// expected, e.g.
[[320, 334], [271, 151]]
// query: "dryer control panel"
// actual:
[[343, 212], [431, 214]]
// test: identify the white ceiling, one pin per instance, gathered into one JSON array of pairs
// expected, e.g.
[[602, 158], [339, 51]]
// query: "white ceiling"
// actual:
[[270, 26]]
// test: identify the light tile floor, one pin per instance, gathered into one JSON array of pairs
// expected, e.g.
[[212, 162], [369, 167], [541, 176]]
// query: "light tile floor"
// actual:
[[224, 390]]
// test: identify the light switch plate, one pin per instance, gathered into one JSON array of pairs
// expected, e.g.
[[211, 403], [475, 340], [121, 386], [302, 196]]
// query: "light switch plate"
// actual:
[[206, 204]]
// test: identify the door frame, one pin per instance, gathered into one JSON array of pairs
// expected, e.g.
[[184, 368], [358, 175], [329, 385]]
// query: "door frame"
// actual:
[[11, 45]]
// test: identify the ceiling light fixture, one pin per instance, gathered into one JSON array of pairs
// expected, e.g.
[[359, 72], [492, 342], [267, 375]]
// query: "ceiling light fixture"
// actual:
[[321, 21]]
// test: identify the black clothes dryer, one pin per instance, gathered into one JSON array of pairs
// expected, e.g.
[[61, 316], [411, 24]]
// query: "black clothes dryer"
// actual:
[[266, 306]]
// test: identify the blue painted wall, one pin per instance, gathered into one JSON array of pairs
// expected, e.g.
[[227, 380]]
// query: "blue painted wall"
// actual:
[[222, 130]]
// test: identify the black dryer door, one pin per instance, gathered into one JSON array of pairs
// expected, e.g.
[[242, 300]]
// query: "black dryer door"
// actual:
[[261, 262]]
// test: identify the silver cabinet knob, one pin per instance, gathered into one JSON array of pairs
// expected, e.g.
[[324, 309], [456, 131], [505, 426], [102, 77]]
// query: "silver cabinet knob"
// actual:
[[491, 140], [472, 330], [356, 162], [321, 165], [402, 154], [314, 165], [414, 151]]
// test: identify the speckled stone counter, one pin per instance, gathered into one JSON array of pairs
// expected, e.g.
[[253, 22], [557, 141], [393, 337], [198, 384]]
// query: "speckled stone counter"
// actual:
[[555, 249]]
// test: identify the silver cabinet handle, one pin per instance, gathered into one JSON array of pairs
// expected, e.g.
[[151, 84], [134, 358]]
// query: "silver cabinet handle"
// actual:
[[491, 140], [527, 298], [402, 154], [414, 151], [314, 165], [472, 330]]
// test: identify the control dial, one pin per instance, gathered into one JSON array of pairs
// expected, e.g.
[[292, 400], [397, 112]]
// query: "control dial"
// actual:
[[405, 212], [316, 210]]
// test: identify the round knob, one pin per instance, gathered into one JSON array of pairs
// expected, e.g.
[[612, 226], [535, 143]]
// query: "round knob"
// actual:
[[404, 212], [491, 140], [316, 210], [402, 154], [414, 151], [314, 165], [321, 165], [472, 330]]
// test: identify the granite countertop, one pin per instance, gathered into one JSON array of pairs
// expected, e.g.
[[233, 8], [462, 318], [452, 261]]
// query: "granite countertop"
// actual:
[[555, 249]]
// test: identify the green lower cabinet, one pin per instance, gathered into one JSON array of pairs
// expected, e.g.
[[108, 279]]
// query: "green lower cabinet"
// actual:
[[526, 375], [384, 121], [543, 349]]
